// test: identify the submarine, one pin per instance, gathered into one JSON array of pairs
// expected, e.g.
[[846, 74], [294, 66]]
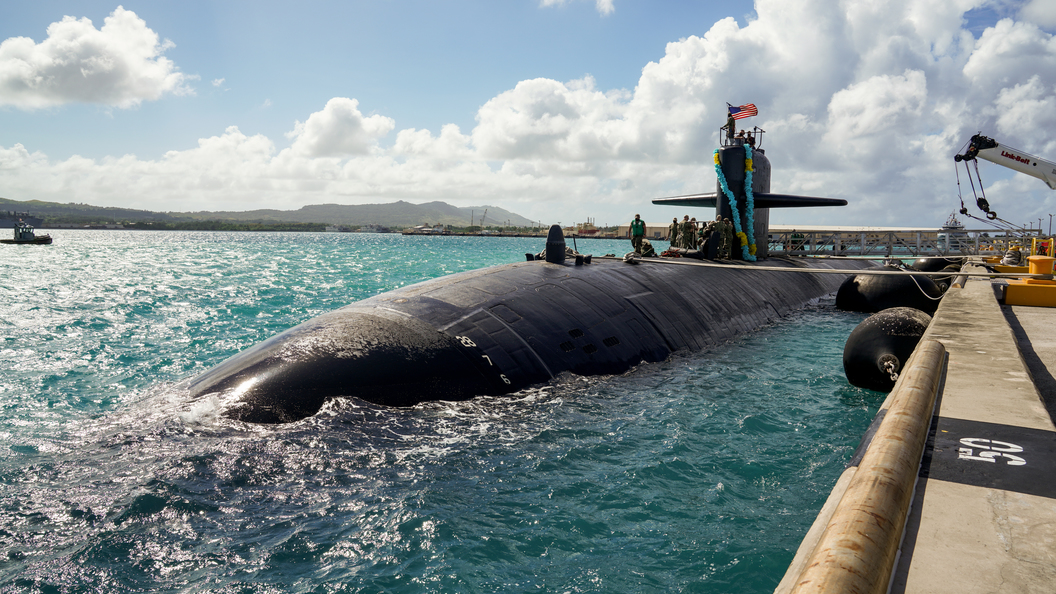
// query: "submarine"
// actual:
[[502, 329]]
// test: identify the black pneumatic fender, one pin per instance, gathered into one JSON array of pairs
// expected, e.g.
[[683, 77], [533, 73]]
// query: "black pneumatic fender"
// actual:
[[873, 293], [880, 346], [944, 282], [936, 264]]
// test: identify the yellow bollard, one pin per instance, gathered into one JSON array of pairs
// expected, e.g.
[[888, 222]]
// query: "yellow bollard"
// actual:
[[1033, 291], [1040, 264]]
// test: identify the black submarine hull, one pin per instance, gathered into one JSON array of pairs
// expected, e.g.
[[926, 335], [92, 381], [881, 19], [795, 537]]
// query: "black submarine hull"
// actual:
[[502, 329]]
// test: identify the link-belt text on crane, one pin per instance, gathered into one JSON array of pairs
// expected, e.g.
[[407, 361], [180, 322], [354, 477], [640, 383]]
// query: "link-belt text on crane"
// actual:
[[1015, 157]]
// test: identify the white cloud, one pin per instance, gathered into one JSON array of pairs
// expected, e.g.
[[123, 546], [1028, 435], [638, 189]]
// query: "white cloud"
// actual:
[[604, 7], [120, 64], [1011, 52], [451, 145], [879, 106], [339, 130], [217, 82], [1039, 12], [860, 100], [1027, 111], [544, 118]]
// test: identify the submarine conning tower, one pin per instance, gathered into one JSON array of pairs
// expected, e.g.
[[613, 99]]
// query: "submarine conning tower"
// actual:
[[731, 160]]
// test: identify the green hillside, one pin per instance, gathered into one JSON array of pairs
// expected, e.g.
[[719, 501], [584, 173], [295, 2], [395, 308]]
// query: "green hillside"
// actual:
[[55, 212], [397, 214]]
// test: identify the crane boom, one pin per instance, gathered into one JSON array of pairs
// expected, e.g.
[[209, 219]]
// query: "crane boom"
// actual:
[[987, 148]]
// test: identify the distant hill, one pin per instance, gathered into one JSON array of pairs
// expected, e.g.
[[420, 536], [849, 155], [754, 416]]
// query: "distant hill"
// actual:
[[76, 213], [396, 214]]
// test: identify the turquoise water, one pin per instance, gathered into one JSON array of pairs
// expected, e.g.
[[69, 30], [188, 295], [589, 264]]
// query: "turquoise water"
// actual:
[[698, 474]]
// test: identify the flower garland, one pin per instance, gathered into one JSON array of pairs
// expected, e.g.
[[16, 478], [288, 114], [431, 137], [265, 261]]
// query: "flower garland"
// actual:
[[747, 250], [750, 204]]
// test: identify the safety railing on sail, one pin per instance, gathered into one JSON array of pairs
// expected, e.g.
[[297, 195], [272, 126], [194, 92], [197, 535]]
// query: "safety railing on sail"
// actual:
[[740, 137], [902, 243]]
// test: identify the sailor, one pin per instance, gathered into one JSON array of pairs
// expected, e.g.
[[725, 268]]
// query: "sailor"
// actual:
[[705, 233], [689, 235], [696, 233], [740, 137], [717, 234], [751, 140], [637, 233], [727, 238], [672, 232], [730, 127], [711, 236]]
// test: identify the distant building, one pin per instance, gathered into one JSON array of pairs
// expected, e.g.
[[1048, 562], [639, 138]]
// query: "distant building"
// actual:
[[588, 229], [426, 230], [373, 228]]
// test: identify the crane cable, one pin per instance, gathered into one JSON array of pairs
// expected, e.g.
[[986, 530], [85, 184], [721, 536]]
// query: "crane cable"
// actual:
[[1007, 226]]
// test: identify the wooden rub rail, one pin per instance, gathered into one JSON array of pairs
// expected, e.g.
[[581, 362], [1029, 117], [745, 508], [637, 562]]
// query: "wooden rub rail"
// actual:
[[859, 546]]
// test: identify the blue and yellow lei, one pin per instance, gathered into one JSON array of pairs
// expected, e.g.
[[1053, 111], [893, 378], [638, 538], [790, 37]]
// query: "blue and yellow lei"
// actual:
[[747, 249]]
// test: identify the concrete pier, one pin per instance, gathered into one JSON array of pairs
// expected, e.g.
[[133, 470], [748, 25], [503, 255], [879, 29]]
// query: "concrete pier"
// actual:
[[983, 512]]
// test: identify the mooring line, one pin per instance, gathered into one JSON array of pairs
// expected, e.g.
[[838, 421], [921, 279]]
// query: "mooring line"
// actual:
[[684, 262]]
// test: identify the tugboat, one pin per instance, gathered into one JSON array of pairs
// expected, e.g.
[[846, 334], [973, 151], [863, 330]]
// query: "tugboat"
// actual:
[[24, 234]]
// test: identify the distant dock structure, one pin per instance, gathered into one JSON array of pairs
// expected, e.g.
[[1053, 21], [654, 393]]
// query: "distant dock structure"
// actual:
[[9, 219], [870, 242], [899, 242]]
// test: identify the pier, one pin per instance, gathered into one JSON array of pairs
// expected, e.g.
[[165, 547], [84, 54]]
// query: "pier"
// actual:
[[953, 488]]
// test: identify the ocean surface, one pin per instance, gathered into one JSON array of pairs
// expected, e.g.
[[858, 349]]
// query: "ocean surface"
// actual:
[[698, 474]]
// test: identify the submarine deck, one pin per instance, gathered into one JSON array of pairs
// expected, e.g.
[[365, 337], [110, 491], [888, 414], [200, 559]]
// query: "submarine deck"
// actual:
[[982, 517]]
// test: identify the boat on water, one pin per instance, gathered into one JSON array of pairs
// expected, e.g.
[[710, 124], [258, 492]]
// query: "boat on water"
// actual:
[[952, 235], [24, 234]]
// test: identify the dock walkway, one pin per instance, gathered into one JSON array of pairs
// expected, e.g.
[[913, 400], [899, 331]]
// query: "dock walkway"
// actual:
[[983, 512], [983, 517]]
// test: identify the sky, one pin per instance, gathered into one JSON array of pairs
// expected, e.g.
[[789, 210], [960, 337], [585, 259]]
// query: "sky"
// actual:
[[558, 110]]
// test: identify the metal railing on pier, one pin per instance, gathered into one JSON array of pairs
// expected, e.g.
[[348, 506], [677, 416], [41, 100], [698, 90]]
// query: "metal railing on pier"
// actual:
[[909, 243]]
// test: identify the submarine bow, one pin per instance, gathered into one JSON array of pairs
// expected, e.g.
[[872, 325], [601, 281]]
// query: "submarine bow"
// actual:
[[372, 354]]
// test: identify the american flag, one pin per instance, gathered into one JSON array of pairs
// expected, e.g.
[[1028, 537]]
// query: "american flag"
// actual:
[[743, 111]]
